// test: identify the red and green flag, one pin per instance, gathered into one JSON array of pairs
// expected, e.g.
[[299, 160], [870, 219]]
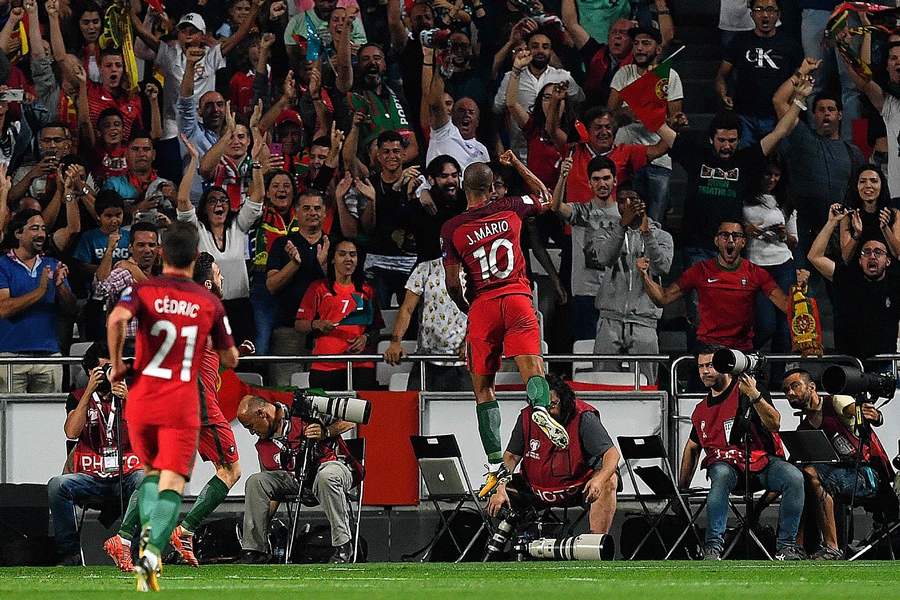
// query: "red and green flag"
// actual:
[[648, 96]]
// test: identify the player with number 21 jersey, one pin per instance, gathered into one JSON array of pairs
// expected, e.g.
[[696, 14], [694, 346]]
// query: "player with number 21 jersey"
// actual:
[[175, 318]]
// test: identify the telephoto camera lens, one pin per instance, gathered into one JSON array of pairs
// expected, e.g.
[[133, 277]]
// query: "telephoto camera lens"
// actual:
[[497, 543], [590, 546]]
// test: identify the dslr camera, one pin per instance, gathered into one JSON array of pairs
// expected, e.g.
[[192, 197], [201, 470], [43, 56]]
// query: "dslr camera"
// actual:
[[851, 381]]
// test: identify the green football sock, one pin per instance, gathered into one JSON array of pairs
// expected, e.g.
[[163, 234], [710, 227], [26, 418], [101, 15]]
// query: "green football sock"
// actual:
[[148, 495], [489, 429], [211, 496], [132, 518], [163, 520], [538, 391]]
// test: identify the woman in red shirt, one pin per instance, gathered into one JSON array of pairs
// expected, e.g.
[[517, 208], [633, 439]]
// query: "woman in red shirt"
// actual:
[[341, 313]]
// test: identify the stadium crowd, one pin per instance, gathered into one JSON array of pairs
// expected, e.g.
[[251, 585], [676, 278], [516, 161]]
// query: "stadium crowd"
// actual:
[[362, 116]]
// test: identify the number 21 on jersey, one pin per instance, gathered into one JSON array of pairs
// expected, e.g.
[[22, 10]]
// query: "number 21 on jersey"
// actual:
[[166, 328]]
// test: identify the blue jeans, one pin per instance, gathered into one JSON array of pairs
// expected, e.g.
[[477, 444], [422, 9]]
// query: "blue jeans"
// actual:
[[778, 476], [584, 317], [652, 183], [832, 67], [841, 481], [753, 129], [65, 491], [263, 312]]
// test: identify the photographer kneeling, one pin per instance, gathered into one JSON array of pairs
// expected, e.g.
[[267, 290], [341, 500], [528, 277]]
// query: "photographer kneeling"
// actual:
[[94, 476], [836, 416], [281, 436]]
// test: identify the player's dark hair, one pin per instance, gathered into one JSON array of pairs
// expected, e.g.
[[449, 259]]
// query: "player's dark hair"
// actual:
[[388, 137], [203, 268], [358, 277], [179, 244], [599, 163], [478, 178], [566, 397], [92, 356]]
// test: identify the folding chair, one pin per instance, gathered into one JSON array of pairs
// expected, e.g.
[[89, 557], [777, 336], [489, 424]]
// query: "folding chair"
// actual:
[[357, 449], [444, 473], [252, 378], [885, 520], [660, 478]]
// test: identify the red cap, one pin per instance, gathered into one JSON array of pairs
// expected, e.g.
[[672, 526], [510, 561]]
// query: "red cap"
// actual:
[[289, 116]]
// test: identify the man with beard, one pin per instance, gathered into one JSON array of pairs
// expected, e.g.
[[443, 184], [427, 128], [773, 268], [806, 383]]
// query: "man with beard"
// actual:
[[442, 326], [870, 289], [531, 80], [727, 286], [732, 408], [211, 112], [388, 221], [144, 249], [33, 292], [447, 201], [836, 416], [587, 219], [133, 184], [652, 180], [720, 174], [817, 156], [113, 92], [761, 59], [383, 108], [453, 134]]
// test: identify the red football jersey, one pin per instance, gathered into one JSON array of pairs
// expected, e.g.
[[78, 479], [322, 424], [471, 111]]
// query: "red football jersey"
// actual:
[[485, 241], [175, 318]]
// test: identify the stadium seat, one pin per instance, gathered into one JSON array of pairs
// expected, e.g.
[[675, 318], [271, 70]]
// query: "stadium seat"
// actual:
[[390, 317], [300, 380], [384, 371], [582, 347], [254, 379]]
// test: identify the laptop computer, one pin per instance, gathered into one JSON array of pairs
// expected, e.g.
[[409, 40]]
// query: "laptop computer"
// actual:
[[809, 446], [442, 477]]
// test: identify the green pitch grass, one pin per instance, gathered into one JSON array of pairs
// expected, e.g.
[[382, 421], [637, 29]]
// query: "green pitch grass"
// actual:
[[534, 580]]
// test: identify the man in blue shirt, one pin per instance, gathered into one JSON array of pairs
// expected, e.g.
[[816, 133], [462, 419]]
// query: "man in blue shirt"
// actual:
[[31, 287]]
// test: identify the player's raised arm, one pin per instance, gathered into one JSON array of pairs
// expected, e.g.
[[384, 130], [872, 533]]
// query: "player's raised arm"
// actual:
[[535, 185]]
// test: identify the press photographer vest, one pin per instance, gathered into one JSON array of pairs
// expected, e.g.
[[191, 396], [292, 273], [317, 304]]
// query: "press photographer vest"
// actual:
[[714, 423], [89, 451], [270, 455], [555, 475], [845, 442]]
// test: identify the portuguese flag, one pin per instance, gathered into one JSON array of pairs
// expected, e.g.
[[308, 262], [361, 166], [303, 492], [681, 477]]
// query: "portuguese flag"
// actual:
[[648, 96]]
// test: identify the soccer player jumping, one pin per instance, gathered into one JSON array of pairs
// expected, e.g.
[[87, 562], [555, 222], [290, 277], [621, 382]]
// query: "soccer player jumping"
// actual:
[[484, 242]]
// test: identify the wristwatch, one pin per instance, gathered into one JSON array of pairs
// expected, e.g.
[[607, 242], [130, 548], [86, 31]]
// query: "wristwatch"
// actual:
[[70, 197], [85, 191]]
